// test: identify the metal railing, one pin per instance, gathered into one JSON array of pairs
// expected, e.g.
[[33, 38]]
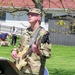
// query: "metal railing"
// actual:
[[5, 28]]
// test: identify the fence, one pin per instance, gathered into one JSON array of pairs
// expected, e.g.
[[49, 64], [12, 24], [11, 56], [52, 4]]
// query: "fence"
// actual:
[[4, 28], [59, 36]]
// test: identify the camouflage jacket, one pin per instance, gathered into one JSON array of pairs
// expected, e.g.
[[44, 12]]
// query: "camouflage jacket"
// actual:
[[36, 63]]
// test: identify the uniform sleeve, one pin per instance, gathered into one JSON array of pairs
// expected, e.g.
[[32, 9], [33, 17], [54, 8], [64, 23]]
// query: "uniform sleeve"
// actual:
[[45, 47]]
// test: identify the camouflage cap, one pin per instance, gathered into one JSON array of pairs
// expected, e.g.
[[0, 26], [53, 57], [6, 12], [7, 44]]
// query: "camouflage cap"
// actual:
[[35, 10]]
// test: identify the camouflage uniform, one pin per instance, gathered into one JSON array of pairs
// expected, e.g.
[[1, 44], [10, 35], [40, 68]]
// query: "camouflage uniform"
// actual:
[[36, 63]]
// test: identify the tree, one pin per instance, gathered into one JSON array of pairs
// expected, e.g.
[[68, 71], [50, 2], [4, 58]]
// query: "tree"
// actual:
[[38, 4]]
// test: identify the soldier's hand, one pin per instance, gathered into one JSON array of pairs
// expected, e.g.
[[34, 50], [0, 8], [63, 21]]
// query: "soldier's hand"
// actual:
[[14, 55], [35, 49]]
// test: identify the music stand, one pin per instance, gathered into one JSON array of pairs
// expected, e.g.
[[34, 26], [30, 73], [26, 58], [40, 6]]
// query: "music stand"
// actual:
[[8, 68]]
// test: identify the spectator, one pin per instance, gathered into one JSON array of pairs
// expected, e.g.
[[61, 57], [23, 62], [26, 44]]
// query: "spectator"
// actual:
[[14, 35], [3, 38]]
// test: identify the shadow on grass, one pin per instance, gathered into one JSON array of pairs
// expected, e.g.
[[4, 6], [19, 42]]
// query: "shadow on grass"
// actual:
[[61, 72]]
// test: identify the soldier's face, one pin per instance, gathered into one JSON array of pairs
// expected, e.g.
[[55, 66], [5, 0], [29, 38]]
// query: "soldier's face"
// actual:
[[32, 17]]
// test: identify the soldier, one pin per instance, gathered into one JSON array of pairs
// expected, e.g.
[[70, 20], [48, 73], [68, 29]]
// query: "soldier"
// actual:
[[40, 49]]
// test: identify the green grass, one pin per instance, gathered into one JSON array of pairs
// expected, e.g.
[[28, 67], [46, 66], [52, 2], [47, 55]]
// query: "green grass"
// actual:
[[6, 52], [62, 61]]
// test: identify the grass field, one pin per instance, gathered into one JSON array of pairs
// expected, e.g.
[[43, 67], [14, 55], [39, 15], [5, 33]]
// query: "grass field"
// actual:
[[62, 61]]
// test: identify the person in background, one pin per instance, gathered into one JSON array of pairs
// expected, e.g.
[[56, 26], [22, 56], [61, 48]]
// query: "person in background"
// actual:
[[3, 38], [14, 35], [40, 49]]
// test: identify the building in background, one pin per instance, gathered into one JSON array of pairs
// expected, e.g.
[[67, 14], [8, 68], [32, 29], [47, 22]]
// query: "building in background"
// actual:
[[56, 15]]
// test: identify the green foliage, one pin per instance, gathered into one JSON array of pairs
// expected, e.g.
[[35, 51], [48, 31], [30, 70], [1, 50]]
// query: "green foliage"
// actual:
[[60, 23]]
